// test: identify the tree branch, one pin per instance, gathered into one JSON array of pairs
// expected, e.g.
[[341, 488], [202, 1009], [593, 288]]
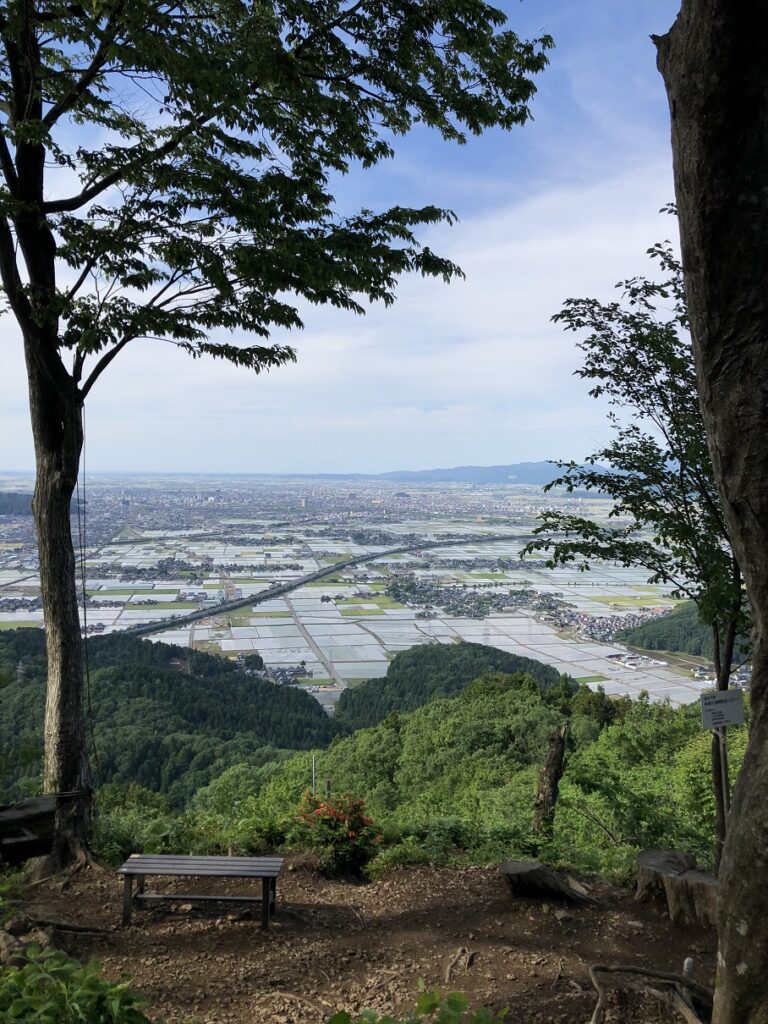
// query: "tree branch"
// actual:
[[9, 274], [103, 363], [9, 170], [144, 160], [68, 101]]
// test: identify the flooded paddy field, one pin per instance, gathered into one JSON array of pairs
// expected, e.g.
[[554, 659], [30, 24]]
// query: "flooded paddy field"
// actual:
[[347, 626]]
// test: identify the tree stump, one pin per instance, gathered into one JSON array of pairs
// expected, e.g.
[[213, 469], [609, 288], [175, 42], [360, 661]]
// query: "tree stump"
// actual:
[[530, 878], [690, 894]]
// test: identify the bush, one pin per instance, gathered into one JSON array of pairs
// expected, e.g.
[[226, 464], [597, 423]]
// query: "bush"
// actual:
[[53, 989], [337, 830], [433, 1007], [10, 888]]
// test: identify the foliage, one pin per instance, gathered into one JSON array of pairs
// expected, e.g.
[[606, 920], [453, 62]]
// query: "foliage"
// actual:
[[679, 630], [338, 830], [432, 1007], [201, 196], [163, 717], [656, 470], [430, 670], [53, 989], [10, 890]]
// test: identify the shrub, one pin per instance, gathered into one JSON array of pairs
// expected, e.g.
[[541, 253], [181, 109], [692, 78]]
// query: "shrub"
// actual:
[[10, 888], [337, 830], [408, 853], [433, 1007], [53, 989]]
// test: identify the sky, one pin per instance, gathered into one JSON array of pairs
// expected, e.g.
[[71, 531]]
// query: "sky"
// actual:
[[468, 373]]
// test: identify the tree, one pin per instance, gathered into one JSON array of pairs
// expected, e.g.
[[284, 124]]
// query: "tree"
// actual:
[[715, 68], [667, 516], [166, 174]]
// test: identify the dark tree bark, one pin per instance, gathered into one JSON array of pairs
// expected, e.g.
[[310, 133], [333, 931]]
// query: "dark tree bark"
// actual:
[[56, 415], [714, 61], [57, 431], [549, 784]]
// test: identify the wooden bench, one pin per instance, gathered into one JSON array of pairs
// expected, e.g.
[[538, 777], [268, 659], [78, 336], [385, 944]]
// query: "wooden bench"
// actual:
[[139, 865]]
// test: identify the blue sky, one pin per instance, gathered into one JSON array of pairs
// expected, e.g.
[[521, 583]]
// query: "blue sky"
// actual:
[[473, 372]]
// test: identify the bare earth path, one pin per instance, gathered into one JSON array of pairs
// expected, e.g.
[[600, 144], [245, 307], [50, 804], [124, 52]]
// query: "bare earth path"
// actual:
[[338, 945]]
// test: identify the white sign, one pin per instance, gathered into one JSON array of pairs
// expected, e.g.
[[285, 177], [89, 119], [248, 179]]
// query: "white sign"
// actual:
[[722, 707]]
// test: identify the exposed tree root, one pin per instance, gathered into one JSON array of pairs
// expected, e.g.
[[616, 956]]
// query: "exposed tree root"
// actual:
[[674, 990], [52, 865], [463, 957]]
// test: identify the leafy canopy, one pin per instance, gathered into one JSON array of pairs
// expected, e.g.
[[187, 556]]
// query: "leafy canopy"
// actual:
[[656, 469], [167, 168]]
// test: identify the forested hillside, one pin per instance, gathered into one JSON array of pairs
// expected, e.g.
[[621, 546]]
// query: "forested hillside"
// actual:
[[680, 630], [15, 503], [163, 716], [431, 670], [457, 778]]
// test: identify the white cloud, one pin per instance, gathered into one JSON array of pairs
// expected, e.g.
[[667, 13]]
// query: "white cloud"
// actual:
[[473, 372]]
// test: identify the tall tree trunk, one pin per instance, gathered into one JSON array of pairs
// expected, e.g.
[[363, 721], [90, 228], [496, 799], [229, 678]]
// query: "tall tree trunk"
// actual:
[[714, 61], [57, 430]]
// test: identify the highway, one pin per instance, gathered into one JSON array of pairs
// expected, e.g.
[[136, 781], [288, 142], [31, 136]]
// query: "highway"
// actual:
[[280, 589]]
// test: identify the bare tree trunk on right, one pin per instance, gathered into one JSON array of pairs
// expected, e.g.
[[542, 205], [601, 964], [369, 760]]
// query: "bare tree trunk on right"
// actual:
[[714, 61]]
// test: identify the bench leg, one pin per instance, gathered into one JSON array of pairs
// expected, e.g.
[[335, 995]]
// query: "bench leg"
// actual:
[[127, 898], [266, 899], [273, 896]]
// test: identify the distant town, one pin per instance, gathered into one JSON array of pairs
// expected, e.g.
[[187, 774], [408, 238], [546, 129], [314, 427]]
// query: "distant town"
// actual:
[[326, 580]]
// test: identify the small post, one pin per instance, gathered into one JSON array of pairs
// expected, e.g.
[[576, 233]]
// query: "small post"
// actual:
[[327, 789], [266, 893], [127, 898], [314, 776], [724, 768]]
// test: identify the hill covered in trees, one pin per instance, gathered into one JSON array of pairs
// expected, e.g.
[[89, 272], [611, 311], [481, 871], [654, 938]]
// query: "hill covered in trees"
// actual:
[[15, 503], [456, 779], [680, 630], [163, 716], [421, 673]]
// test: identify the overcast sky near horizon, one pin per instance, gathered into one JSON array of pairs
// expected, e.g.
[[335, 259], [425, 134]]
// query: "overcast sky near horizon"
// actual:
[[468, 373]]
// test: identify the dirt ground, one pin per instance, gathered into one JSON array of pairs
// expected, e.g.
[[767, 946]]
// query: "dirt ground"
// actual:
[[340, 945]]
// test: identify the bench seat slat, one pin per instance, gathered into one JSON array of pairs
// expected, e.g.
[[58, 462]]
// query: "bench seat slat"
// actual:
[[203, 872], [223, 867], [195, 899]]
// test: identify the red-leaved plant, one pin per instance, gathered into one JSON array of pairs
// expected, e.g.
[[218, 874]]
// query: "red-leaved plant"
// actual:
[[338, 830]]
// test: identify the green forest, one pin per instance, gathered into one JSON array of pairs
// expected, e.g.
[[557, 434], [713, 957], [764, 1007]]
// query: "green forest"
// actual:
[[430, 670], [454, 781], [679, 631], [162, 716], [193, 754]]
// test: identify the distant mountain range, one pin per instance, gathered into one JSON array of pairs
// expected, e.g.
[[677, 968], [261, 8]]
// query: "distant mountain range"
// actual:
[[535, 473]]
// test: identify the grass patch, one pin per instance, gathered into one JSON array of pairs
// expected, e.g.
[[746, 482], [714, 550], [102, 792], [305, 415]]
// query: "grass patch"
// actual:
[[360, 612], [20, 625], [630, 602], [270, 615], [591, 679]]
